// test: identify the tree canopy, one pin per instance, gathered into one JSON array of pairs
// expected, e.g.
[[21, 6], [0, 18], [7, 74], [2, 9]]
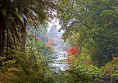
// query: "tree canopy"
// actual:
[[93, 25]]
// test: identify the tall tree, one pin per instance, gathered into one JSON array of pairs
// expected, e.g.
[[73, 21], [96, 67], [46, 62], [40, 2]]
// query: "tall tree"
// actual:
[[15, 15], [93, 25]]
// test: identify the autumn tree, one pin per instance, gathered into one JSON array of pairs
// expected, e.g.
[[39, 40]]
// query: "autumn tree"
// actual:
[[93, 25]]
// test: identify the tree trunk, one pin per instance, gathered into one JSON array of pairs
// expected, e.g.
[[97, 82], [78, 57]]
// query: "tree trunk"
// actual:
[[2, 35], [23, 32]]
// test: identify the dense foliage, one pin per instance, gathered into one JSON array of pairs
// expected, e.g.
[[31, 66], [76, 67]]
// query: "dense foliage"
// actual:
[[19, 61], [90, 27]]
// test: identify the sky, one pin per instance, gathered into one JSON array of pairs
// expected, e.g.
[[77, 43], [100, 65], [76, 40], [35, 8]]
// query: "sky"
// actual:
[[54, 21]]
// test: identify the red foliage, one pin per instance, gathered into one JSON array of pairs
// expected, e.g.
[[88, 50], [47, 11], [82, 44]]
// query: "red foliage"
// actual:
[[49, 43], [73, 51]]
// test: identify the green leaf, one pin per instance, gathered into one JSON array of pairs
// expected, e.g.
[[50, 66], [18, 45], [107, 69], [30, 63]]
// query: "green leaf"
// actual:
[[4, 12]]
